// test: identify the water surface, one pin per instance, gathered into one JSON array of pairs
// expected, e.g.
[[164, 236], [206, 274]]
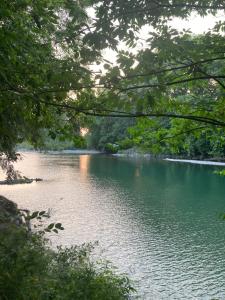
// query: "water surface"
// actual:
[[158, 221]]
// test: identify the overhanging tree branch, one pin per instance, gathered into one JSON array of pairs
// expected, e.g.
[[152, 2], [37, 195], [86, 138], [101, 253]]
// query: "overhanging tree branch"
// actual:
[[120, 114], [184, 66], [182, 133], [150, 9], [191, 6], [155, 85], [213, 77]]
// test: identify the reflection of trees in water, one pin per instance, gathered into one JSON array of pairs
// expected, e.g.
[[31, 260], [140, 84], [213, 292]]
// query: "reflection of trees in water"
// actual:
[[179, 196], [145, 174]]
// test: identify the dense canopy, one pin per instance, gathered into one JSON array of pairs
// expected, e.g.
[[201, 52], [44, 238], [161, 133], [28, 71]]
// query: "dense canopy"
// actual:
[[173, 81]]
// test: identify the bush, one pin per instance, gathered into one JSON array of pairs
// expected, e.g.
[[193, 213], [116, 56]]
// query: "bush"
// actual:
[[30, 270], [111, 148], [125, 144]]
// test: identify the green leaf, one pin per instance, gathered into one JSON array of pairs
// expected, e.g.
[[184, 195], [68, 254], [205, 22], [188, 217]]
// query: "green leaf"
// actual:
[[34, 215], [50, 226]]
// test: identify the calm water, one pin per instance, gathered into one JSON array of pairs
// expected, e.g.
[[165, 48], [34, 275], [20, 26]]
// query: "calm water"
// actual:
[[157, 221]]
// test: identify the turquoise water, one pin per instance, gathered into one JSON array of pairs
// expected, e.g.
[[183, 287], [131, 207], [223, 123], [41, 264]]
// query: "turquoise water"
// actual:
[[157, 221]]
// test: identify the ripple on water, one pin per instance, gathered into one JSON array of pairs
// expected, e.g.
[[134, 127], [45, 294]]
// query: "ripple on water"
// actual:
[[156, 221]]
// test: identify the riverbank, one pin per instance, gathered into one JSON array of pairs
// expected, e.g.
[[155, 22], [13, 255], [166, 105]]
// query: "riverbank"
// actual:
[[77, 151], [66, 151], [198, 162], [132, 153]]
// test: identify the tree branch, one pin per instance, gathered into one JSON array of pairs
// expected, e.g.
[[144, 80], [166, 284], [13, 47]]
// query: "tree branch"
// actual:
[[213, 77], [145, 10], [194, 6], [182, 133], [171, 83], [155, 72], [115, 114]]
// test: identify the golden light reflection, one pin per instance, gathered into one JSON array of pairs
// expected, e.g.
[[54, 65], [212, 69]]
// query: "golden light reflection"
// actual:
[[84, 165]]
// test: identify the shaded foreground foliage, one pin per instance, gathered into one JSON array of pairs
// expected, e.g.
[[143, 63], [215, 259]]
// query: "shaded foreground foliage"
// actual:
[[29, 269]]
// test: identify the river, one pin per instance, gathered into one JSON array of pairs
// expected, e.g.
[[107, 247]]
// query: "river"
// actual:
[[157, 221]]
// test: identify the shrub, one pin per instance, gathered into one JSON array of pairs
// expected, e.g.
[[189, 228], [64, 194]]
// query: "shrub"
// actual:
[[125, 144], [111, 148], [31, 270]]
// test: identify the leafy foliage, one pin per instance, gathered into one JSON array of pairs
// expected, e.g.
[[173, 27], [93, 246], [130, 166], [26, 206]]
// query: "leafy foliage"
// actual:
[[182, 138], [175, 83], [106, 131], [29, 269], [47, 48]]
